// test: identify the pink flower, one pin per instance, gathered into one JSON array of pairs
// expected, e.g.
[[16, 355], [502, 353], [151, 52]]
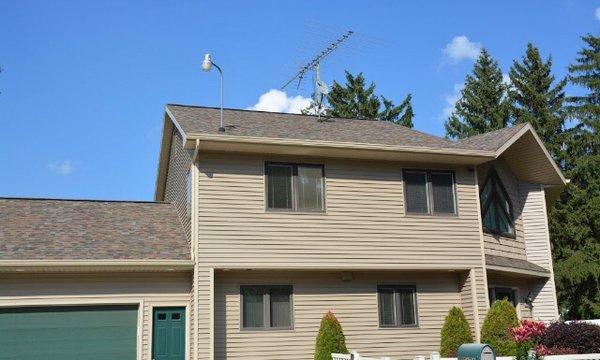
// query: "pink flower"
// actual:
[[528, 330]]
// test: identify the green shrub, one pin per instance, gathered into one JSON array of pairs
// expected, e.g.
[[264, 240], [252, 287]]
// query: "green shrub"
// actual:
[[456, 331], [495, 331], [330, 338]]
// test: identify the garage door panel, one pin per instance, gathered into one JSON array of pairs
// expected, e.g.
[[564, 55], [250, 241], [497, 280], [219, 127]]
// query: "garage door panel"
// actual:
[[66, 333]]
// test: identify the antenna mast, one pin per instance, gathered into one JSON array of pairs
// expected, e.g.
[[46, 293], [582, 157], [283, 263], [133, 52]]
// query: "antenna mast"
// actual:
[[320, 87]]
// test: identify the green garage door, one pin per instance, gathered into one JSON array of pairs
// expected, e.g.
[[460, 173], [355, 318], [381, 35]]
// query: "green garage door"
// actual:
[[66, 333]]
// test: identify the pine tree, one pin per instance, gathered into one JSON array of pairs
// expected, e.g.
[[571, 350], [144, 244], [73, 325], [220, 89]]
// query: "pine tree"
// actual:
[[536, 99], [575, 217], [355, 100], [484, 104], [585, 109]]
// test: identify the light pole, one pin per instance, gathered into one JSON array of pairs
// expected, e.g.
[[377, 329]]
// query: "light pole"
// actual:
[[207, 64]]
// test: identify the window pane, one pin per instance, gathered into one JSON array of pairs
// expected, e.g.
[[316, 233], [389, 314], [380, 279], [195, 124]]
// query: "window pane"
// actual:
[[279, 186], [485, 193], [504, 225], [443, 193], [281, 307], [505, 294], [387, 307], [489, 218], [253, 308], [416, 192], [407, 300], [310, 188]]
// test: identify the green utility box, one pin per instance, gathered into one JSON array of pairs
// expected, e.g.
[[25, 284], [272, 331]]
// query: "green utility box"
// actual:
[[476, 352]]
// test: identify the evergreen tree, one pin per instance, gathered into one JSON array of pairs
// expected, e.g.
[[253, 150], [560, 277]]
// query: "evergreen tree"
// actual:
[[537, 100], [575, 217], [355, 100], [585, 109], [484, 104], [330, 338], [455, 332]]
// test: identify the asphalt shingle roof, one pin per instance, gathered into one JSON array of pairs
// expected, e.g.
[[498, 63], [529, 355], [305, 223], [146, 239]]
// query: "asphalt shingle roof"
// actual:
[[47, 229], [249, 123], [505, 262]]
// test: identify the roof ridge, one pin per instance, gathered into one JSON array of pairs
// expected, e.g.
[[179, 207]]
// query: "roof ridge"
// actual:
[[84, 200], [325, 118]]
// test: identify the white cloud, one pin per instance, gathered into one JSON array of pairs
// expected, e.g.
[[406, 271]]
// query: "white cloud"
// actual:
[[277, 101], [64, 167], [597, 13], [461, 48], [451, 100]]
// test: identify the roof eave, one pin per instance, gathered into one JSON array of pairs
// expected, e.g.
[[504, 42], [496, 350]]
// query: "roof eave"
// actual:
[[29, 266], [518, 272]]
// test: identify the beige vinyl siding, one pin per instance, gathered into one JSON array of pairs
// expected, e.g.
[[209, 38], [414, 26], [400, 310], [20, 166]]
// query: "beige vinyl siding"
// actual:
[[158, 289], [364, 225], [203, 327], [354, 303], [537, 239], [180, 161], [496, 244]]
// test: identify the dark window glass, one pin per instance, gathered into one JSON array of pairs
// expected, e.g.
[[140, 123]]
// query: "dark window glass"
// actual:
[[387, 307], [442, 188], [416, 192], [503, 293], [397, 305], [496, 208], [281, 307], [295, 187], [266, 307], [253, 308], [279, 186], [310, 188]]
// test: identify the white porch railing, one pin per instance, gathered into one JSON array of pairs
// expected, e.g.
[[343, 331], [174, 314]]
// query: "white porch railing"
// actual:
[[353, 356]]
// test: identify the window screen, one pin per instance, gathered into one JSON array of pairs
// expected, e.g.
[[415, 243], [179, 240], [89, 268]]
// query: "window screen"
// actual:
[[416, 192], [266, 307], [397, 305], [442, 187], [294, 187], [279, 186]]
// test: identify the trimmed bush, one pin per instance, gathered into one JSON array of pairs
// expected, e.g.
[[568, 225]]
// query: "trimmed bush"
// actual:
[[330, 338], [456, 331], [497, 326], [582, 337]]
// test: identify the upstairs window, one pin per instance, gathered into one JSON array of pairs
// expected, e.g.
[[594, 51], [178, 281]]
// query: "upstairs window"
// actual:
[[294, 187], [496, 208], [429, 192]]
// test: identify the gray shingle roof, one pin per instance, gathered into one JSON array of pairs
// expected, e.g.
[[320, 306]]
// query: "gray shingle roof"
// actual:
[[505, 262], [46, 229], [249, 123], [490, 141]]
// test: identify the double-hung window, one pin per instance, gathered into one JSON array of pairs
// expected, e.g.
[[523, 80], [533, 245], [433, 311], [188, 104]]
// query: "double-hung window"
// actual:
[[397, 305], [266, 307], [294, 187], [429, 192], [496, 208], [503, 293]]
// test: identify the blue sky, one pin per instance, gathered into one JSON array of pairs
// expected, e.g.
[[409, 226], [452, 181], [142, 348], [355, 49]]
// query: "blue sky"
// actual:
[[84, 83]]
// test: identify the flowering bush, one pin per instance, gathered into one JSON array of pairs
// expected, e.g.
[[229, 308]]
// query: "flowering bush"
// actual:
[[528, 331], [527, 336]]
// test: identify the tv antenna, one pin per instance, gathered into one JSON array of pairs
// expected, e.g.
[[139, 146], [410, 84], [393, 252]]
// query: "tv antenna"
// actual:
[[320, 88]]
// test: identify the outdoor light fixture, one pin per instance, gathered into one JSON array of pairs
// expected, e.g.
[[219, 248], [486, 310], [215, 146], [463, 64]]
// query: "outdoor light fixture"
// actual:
[[207, 64]]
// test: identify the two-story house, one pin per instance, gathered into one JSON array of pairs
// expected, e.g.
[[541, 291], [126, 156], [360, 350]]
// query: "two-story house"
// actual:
[[258, 231]]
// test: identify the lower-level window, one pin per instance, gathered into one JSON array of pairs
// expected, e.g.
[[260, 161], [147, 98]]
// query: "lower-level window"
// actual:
[[397, 305], [266, 307], [503, 293]]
